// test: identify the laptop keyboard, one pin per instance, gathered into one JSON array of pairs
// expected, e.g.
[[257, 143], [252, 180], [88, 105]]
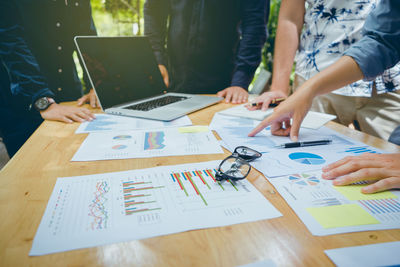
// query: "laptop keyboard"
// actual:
[[159, 102]]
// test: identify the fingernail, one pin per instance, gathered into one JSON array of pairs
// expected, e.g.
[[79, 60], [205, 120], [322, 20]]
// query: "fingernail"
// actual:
[[338, 182], [367, 189]]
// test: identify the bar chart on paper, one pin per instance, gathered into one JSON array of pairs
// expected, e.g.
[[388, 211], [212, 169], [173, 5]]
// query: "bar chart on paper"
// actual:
[[92, 210]]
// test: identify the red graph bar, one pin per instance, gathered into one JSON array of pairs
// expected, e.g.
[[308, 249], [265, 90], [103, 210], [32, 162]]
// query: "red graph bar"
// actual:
[[195, 189], [176, 175], [212, 176], [200, 176]]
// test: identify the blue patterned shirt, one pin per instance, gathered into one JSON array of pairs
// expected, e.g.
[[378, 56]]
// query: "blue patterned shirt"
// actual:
[[330, 28]]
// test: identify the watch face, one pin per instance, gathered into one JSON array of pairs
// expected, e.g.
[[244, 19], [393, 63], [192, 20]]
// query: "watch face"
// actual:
[[42, 103]]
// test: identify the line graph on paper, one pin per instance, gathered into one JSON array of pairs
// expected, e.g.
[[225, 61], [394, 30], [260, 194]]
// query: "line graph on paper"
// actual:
[[97, 208]]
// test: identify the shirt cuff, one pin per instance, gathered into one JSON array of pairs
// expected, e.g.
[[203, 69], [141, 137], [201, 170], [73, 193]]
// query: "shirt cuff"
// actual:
[[241, 79], [161, 59]]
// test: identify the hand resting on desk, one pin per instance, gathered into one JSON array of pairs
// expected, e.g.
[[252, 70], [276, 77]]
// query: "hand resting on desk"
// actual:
[[234, 95], [383, 171], [67, 114]]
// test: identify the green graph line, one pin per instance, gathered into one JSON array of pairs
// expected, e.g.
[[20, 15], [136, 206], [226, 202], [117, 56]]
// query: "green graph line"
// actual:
[[201, 176], [233, 185], [180, 182], [205, 202]]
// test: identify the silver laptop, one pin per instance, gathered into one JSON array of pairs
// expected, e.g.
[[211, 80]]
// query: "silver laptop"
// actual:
[[124, 74]]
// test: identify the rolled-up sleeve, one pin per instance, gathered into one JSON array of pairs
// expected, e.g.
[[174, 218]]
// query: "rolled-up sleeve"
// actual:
[[379, 49], [253, 30], [27, 82]]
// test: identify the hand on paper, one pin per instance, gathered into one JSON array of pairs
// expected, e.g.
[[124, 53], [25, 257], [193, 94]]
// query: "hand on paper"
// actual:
[[383, 170], [265, 99], [91, 98], [66, 114], [295, 107], [164, 74], [234, 94]]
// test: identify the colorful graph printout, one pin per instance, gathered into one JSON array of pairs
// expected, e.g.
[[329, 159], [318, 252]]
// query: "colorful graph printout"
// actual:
[[154, 140], [326, 210], [146, 144], [93, 210]]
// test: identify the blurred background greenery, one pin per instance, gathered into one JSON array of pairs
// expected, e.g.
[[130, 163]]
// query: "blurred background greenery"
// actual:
[[118, 17]]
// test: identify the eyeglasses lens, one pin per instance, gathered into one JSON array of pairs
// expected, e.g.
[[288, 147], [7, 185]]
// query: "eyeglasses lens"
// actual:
[[247, 153], [235, 167]]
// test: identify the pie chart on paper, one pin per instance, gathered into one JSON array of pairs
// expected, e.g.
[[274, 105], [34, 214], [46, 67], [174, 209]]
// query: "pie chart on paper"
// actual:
[[307, 158]]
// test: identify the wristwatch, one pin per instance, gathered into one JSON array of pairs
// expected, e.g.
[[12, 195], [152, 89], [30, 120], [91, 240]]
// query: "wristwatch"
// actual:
[[43, 103]]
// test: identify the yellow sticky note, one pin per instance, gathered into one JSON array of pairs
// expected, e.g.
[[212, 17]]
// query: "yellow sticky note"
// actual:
[[193, 129], [342, 216], [353, 192]]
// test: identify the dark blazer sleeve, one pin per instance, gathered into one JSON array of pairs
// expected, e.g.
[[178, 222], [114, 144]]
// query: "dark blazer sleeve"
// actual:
[[27, 82], [156, 13], [254, 32]]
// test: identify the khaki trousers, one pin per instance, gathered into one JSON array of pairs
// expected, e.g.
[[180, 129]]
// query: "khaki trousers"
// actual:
[[378, 115]]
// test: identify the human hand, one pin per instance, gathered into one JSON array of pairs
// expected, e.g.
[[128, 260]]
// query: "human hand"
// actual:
[[91, 98], [234, 94], [383, 170], [164, 74], [295, 107], [66, 114], [265, 99]]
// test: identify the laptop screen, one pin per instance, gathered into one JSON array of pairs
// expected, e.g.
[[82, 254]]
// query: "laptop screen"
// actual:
[[121, 69]]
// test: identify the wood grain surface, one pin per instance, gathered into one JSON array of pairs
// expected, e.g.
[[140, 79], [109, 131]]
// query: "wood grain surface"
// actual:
[[27, 181]]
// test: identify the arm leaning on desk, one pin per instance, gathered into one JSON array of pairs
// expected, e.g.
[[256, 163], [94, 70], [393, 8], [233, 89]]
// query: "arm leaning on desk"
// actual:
[[27, 181]]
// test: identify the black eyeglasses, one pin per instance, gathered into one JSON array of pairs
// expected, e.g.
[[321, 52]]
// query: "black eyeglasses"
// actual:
[[237, 167]]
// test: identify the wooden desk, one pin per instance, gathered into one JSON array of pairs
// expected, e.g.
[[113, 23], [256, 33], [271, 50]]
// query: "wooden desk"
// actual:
[[27, 181]]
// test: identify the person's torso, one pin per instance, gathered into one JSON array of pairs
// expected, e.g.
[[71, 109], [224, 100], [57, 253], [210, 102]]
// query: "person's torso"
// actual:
[[50, 27], [202, 42], [330, 28]]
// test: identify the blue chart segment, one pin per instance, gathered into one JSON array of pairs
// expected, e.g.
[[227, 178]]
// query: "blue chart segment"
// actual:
[[122, 137], [100, 124], [307, 158], [360, 150]]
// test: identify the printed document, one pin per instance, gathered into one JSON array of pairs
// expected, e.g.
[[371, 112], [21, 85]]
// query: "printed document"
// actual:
[[326, 209], [146, 144], [107, 123], [94, 210]]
